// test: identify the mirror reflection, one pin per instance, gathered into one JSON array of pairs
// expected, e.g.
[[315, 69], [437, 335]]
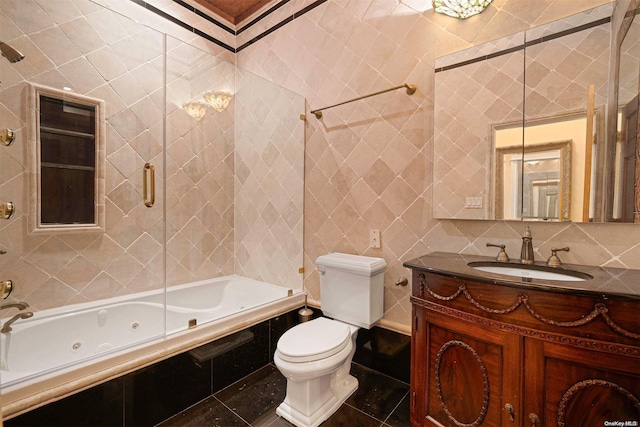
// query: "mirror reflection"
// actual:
[[543, 172], [626, 194], [547, 85]]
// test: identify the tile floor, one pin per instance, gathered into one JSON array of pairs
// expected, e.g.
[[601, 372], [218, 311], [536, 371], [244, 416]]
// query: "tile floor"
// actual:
[[380, 401]]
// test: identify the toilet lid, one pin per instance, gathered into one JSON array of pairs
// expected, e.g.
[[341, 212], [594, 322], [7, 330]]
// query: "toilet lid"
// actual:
[[313, 340]]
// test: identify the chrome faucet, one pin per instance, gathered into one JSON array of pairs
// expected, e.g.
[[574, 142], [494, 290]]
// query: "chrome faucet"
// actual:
[[526, 254], [7, 325]]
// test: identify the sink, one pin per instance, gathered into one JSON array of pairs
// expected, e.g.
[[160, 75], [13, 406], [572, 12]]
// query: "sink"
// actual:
[[530, 271]]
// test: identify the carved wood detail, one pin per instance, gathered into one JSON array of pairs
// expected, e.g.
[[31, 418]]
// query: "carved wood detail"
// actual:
[[569, 394], [547, 336], [485, 383], [599, 309]]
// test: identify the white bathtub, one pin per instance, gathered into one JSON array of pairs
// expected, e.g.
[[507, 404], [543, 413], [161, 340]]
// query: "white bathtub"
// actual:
[[59, 339]]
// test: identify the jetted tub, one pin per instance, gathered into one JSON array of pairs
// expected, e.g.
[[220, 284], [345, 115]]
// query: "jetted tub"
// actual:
[[131, 329]]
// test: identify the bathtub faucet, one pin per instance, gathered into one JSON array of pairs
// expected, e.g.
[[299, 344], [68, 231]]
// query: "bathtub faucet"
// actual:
[[20, 305], [7, 325]]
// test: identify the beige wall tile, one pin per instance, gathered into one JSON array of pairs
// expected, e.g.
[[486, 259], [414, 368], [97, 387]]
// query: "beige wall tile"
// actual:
[[383, 45]]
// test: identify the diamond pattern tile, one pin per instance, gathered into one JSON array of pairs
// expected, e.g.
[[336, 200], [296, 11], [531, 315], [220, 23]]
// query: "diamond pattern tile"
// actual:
[[366, 165]]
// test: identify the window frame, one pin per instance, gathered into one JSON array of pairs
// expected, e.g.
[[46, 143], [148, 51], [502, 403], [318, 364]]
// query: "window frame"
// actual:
[[34, 156]]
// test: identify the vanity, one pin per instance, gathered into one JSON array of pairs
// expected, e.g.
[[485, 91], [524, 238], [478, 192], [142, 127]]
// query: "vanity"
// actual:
[[491, 349]]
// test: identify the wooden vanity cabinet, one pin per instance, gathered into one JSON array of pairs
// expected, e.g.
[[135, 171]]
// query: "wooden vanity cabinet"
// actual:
[[485, 354]]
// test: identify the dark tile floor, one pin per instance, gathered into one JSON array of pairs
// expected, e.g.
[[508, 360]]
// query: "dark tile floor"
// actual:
[[380, 401]]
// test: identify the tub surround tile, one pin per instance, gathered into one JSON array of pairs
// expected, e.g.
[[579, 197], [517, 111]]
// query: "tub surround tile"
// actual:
[[156, 393], [251, 352], [236, 384], [79, 410], [17, 400]]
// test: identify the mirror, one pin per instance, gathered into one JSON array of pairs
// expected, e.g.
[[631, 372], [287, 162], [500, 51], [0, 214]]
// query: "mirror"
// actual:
[[547, 84], [625, 197], [543, 172]]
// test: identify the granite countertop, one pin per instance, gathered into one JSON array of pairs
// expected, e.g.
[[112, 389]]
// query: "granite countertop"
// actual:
[[612, 283]]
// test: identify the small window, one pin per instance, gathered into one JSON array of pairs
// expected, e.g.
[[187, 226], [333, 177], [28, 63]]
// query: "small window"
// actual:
[[67, 162]]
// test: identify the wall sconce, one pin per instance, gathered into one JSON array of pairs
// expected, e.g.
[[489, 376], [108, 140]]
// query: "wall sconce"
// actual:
[[195, 109], [218, 100], [460, 8]]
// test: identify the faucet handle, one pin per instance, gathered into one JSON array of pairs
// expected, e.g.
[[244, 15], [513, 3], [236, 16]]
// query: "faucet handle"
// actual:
[[502, 255], [553, 260], [6, 287]]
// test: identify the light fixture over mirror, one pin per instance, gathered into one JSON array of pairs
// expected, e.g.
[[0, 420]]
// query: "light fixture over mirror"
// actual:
[[195, 109], [218, 99], [460, 8]]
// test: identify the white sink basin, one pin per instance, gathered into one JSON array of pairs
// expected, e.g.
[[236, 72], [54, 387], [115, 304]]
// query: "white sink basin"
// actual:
[[530, 271]]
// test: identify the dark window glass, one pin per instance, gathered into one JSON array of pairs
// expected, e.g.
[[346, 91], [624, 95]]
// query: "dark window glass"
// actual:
[[70, 116], [67, 149], [67, 196], [67, 162]]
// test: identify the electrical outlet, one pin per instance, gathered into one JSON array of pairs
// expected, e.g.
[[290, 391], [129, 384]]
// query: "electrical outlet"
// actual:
[[374, 239], [473, 203]]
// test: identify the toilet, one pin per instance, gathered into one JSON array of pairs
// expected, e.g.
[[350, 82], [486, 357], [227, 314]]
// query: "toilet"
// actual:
[[315, 356]]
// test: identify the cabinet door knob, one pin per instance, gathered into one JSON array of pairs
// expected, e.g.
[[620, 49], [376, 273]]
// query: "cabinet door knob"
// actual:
[[510, 411], [534, 419]]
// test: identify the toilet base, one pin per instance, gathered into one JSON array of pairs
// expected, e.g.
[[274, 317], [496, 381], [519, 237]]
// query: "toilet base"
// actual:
[[340, 392]]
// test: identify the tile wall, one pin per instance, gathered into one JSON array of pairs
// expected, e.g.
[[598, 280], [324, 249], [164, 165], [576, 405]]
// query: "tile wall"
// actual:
[[95, 49], [200, 168], [369, 164], [98, 53], [269, 174], [492, 92], [111, 50]]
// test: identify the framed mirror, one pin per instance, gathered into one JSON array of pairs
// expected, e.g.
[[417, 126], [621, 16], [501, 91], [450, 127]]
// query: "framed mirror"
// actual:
[[534, 181], [555, 75]]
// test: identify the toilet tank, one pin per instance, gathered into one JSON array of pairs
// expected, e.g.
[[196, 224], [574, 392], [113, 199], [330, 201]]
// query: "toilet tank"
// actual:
[[352, 288]]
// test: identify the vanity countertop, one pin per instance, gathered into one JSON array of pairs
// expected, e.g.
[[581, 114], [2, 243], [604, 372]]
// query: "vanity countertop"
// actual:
[[607, 282]]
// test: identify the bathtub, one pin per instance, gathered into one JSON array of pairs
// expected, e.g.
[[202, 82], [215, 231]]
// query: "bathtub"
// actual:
[[94, 342]]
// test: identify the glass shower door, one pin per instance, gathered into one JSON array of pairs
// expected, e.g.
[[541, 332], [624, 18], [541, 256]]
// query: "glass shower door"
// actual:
[[95, 281]]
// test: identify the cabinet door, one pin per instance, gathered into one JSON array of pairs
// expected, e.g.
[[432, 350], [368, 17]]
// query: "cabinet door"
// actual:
[[418, 366], [472, 373], [568, 386]]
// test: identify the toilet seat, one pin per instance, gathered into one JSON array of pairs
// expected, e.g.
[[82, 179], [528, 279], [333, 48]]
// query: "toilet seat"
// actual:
[[314, 340]]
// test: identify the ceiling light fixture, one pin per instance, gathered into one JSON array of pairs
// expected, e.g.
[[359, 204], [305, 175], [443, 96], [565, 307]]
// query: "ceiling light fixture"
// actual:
[[460, 8]]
